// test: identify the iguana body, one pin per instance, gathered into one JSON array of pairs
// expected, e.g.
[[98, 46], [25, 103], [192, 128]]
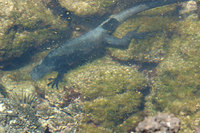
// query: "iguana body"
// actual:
[[62, 58]]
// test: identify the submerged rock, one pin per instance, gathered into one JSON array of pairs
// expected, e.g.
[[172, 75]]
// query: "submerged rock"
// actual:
[[106, 95], [152, 46], [91, 7], [175, 89], [25, 107], [111, 94], [161, 123], [24, 25], [189, 9], [88, 7]]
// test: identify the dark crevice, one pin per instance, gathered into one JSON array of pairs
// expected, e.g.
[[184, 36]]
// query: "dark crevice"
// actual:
[[3, 91], [11, 29], [57, 9], [18, 62]]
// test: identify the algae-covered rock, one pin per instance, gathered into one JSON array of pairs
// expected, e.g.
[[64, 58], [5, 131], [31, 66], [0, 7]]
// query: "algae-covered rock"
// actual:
[[155, 30], [91, 128], [25, 25], [176, 86], [88, 7], [110, 96], [110, 92], [93, 7]]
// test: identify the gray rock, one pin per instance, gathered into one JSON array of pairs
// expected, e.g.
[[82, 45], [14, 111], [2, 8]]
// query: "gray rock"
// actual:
[[161, 123]]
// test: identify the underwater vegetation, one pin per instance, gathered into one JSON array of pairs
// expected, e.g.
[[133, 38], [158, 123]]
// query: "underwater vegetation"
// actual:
[[91, 7], [24, 21], [152, 47], [176, 86], [111, 93], [88, 7]]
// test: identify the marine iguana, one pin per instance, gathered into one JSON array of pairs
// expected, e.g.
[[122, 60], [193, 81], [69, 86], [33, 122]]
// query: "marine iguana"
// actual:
[[75, 51]]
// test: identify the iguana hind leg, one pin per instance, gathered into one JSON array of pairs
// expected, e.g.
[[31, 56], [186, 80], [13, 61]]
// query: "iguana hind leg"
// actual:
[[121, 42]]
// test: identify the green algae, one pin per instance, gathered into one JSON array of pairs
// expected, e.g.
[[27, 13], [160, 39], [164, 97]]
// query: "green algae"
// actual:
[[100, 7], [111, 93], [87, 7], [110, 111], [28, 27], [154, 44], [177, 82], [91, 128], [175, 88], [91, 7]]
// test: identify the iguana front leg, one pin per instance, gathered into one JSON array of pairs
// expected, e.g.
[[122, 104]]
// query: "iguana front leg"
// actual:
[[55, 81]]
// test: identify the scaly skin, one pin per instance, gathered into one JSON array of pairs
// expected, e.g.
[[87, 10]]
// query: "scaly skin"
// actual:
[[76, 51]]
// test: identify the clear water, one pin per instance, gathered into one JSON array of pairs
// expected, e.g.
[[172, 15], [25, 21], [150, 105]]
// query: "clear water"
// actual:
[[109, 89]]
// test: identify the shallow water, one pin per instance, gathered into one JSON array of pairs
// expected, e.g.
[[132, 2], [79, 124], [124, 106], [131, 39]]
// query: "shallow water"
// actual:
[[109, 89]]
